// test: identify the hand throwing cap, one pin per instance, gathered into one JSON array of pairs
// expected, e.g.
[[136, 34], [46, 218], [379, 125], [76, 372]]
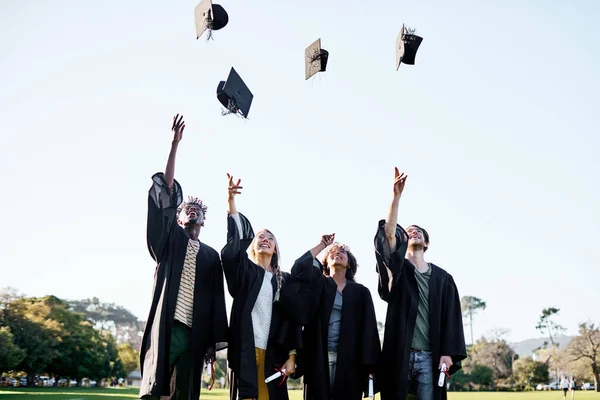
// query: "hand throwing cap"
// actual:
[[315, 59], [407, 44], [235, 95], [209, 16]]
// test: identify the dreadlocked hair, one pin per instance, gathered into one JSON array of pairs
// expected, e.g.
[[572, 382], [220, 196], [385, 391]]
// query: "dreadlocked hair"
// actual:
[[197, 202], [274, 261], [352, 263]]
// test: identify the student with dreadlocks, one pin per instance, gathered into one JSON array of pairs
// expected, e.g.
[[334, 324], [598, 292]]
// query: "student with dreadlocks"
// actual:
[[262, 338], [340, 339], [187, 322]]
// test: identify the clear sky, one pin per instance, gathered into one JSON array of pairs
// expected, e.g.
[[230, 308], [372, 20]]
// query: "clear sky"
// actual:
[[497, 126]]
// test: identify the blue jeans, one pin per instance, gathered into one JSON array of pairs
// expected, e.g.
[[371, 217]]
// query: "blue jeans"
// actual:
[[420, 372]]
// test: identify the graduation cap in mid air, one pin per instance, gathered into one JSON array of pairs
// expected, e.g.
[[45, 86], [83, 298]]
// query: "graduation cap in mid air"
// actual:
[[315, 59], [235, 95], [407, 44], [209, 16]]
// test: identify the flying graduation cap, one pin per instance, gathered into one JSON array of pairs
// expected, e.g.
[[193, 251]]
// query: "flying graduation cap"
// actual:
[[315, 59], [407, 44], [234, 95], [209, 16]]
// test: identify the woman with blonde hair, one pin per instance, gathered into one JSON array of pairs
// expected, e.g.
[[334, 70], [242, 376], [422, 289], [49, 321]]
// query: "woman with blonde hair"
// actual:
[[262, 339]]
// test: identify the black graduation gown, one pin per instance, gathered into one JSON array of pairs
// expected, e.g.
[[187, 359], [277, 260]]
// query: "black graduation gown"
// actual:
[[167, 243], [398, 287], [244, 279], [358, 347]]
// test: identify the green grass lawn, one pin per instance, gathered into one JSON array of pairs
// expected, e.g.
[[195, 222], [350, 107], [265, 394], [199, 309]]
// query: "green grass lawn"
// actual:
[[220, 394]]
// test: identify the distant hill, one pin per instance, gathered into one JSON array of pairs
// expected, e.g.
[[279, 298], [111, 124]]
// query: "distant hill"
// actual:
[[526, 347]]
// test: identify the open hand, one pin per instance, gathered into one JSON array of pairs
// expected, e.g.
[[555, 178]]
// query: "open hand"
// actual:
[[234, 188], [399, 181], [178, 127], [326, 240]]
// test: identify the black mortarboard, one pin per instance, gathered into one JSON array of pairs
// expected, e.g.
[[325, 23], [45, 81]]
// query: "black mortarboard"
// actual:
[[235, 95], [209, 16], [315, 59], [407, 44]]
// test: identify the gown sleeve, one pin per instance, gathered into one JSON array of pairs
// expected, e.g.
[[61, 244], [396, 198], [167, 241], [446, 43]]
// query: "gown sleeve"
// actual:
[[453, 338], [371, 346], [219, 324], [301, 296], [233, 255], [389, 261], [162, 214]]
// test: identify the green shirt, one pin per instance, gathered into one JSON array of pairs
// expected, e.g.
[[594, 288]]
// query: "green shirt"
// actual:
[[421, 334]]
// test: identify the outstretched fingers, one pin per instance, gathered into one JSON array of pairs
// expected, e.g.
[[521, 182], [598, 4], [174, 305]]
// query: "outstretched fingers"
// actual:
[[234, 188], [400, 178], [178, 123]]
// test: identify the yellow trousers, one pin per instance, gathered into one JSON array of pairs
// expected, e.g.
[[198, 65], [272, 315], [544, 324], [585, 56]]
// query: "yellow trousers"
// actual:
[[263, 391]]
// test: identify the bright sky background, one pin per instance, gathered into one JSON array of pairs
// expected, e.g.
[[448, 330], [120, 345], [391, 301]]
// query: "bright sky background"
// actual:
[[497, 126]]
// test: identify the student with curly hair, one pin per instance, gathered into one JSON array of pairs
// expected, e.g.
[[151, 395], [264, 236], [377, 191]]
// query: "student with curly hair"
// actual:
[[340, 339]]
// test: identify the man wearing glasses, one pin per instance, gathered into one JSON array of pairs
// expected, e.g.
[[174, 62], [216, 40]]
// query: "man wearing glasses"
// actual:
[[423, 328]]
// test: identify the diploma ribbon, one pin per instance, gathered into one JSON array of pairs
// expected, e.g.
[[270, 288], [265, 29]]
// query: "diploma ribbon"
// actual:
[[280, 372], [210, 367]]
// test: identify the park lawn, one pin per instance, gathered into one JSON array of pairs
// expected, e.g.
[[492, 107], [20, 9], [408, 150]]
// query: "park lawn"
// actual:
[[223, 394]]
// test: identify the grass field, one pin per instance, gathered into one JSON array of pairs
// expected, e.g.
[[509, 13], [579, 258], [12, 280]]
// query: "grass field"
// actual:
[[219, 394]]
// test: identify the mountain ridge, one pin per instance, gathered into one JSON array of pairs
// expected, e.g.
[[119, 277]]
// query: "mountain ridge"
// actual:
[[525, 348]]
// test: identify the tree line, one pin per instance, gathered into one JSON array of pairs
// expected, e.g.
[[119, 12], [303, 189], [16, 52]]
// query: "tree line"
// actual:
[[74, 339], [493, 365], [91, 339]]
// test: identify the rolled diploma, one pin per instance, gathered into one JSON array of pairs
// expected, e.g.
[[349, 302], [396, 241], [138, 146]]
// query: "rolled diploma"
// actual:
[[442, 375], [371, 386], [275, 376], [208, 369]]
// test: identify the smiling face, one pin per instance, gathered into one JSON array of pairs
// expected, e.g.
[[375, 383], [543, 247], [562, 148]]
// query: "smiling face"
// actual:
[[191, 214], [418, 239], [264, 243], [338, 257]]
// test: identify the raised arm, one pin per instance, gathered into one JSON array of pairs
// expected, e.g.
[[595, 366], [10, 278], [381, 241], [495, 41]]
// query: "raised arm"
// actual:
[[326, 240], [307, 267], [392, 216], [164, 197], [233, 189], [301, 295], [239, 236], [390, 243], [178, 127]]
